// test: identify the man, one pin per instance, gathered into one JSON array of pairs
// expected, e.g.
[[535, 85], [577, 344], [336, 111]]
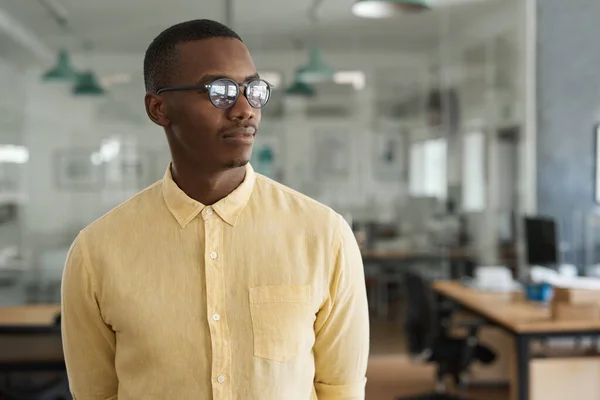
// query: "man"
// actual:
[[215, 282]]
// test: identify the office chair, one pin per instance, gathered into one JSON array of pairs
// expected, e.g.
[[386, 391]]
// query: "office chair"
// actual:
[[32, 365], [427, 326]]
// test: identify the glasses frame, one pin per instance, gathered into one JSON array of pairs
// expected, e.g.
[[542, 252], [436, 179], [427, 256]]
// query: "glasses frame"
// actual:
[[207, 87]]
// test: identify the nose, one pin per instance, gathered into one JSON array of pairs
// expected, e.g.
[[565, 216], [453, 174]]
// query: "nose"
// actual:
[[241, 110]]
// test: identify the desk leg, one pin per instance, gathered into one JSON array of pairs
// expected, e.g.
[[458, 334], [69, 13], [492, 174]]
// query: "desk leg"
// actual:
[[459, 269], [455, 272], [522, 355]]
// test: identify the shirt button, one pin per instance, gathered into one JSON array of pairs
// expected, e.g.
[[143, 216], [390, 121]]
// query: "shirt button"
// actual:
[[221, 379], [216, 317], [213, 255], [209, 211]]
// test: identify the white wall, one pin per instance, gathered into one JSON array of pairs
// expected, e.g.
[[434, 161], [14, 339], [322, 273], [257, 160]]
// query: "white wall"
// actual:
[[56, 120], [361, 192], [485, 63], [48, 119], [297, 131]]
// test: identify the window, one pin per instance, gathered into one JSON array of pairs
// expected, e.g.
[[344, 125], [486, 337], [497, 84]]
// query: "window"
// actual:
[[416, 169], [273, 77], [355, 78], [598, 163], [13, 154], [428, 169], [473, 172]]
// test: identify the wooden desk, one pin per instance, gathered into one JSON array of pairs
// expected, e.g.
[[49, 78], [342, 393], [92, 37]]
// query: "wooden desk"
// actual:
[[30, 339], [523, 320], [509, 310], [393, 259], [28, 316], [452, 254]]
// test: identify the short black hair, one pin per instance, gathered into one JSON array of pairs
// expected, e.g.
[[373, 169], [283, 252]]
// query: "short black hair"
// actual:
[[161, 58]]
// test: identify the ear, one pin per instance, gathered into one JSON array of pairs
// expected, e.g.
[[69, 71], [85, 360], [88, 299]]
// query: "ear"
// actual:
[[156, 109]]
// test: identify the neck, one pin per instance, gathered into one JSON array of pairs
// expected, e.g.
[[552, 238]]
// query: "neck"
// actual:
[[206, 187]]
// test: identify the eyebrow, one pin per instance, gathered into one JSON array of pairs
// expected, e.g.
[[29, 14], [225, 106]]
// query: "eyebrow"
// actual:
[[213, 77]]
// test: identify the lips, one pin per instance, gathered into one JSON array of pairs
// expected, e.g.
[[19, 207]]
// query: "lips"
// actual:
[[241, 136], [238, 132]]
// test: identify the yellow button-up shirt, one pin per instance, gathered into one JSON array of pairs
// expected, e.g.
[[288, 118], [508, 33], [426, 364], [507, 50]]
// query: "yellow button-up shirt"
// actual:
[[259, 296]]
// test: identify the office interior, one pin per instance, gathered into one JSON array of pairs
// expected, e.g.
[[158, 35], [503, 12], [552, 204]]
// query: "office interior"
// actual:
[[459, 139]]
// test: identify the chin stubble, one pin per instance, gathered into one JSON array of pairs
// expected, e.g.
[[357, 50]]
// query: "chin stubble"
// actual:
[[237, 164]]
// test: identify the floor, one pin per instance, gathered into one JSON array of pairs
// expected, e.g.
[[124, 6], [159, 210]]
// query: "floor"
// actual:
[[390, 376], [391, 373], [387, 337]]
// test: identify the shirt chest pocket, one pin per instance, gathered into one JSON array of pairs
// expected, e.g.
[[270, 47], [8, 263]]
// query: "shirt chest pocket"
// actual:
[[282, 322]]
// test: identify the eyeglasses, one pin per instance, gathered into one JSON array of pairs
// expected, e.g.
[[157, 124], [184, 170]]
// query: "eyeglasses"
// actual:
[[223, 93]]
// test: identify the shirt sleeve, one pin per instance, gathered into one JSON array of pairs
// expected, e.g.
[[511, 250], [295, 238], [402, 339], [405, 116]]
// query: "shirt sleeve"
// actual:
[[342, 327], [88, 342]]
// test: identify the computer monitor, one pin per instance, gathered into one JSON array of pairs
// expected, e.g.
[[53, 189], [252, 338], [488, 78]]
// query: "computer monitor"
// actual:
[[541, 241]]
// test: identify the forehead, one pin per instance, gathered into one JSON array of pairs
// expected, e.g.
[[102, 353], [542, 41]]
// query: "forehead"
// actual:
[[228, 57]]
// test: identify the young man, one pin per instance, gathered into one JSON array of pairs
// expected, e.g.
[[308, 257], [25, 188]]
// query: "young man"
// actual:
[[216, 282]]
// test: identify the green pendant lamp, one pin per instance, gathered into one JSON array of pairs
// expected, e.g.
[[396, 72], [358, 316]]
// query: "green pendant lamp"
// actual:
[[300, 89], [388, 8], [87, 85], [63, 71], [316, 70]]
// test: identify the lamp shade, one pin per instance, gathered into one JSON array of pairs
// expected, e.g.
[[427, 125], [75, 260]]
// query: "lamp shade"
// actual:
[[87, 85], [315, 70], [388, 8], [63, 70], [300, 89]]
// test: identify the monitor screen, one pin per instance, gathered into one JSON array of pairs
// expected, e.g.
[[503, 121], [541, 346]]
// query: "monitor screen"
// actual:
[[540, 235]]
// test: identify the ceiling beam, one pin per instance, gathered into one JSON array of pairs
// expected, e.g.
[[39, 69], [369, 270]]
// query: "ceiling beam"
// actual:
[[23, 36], [58, 11]]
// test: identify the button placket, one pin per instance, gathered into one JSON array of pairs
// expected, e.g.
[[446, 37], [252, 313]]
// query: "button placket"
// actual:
[[215, 306]]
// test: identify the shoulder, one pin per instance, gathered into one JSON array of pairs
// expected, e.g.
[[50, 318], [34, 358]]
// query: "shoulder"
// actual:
[[285, 202], [126, 216], [110, 233], [287, 198]]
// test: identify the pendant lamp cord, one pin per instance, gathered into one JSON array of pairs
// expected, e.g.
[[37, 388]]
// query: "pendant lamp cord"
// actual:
[[229, 14], [313, 11], [444, 63]]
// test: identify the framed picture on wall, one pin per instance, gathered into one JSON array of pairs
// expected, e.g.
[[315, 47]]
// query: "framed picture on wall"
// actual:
[[332, 152], [132, 169], [388, 154], [74, 170]]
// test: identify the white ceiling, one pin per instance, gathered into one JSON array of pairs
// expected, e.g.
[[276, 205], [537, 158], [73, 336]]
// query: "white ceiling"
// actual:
[[116, 26]]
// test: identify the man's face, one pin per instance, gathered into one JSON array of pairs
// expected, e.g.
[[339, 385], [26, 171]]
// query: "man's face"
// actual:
[[202, 133]]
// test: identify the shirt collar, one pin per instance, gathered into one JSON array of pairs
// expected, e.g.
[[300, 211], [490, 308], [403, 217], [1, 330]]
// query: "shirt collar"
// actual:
[[185, 209]]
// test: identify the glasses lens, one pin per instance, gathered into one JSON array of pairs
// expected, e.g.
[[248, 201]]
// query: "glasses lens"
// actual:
[[258, 93], [223, 93]]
